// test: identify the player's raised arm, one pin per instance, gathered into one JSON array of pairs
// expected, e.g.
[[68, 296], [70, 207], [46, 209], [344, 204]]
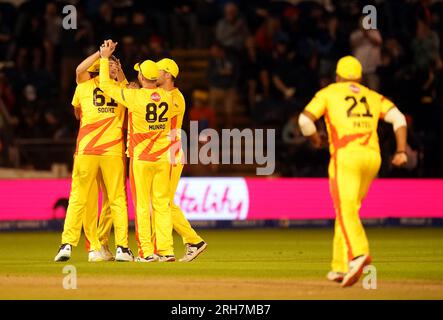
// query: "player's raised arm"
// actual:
[[125, 96], [82, 73]]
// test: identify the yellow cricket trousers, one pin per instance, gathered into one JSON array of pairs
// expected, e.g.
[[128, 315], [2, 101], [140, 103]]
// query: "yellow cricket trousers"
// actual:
[[179, 222], [150, 186], [351, 172], [84, 191]]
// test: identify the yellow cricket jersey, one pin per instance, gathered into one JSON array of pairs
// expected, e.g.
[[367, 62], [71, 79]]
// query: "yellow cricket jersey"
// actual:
[[351, 112], [176, 124], [150, 114], [101, 122]]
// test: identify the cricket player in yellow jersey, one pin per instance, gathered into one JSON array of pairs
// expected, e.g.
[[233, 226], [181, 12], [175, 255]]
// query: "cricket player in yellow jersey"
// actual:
[[86, 70], [100, 151], [194, 244], [150, 110], [352, 112]]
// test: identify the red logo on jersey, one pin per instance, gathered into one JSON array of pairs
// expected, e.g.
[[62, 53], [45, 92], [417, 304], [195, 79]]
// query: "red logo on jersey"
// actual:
[[155, 96], [354, 88]]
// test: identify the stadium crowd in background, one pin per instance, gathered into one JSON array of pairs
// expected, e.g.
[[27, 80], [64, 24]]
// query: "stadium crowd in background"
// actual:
[[267, 57]]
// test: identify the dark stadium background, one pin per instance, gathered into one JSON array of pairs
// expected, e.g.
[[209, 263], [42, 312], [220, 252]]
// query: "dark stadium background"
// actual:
[[267, 42]]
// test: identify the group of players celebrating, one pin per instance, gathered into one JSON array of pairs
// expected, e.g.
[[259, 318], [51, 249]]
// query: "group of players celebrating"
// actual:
[[141, 121], [153, 110]]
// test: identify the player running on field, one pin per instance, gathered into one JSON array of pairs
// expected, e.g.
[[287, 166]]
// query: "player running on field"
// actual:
[[99, 153], [194, 244], [150, 110], [352, 112]]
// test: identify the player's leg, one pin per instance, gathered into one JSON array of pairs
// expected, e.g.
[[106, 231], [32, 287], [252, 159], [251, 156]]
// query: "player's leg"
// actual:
[[140, 177], [113, 172], [348, 173], [83, 176], [90, 219], [180, 224], [369, 173], [339, 262], [345, 188], [105, 222], [162, 211], [339, 256], [194, 244]]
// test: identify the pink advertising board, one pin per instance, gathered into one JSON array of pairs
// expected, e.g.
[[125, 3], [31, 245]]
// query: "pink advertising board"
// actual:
[[240, 199]]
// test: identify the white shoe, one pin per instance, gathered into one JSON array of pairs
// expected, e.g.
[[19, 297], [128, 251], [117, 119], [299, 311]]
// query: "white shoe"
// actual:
[[193, 250], [124, 254], [355, 270], [335, 276], [64, 253], [167, 258], [151, 258], [106, 253], [95, 256]]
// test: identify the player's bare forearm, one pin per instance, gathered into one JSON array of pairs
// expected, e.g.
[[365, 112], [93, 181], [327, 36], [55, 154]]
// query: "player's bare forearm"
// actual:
[[77, 112], [123, 96], [316, 140], [401, 157], [106, 84], [81, 71], [401, 137]]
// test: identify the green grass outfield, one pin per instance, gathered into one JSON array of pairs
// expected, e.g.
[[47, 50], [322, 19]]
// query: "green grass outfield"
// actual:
[[238, 264]]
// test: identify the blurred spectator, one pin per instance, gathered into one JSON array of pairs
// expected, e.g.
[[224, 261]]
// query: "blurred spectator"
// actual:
[[425, 47], [255, 67], [284, 76], [103, 27], [29, 112], [231, 31], [266, 34], [201, 112], [6, 93], [223, 77], [75, 45], [39, 76], [366, 47], [156, 50], [185, 31], [138, 29], [53, 28], [120, 26], [207, 16], [129, 55], [8, 122], [206, 118], [6, 29]]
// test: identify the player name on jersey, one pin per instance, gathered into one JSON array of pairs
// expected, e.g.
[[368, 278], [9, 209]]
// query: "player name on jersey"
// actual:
[[157, 127], [106, 110]]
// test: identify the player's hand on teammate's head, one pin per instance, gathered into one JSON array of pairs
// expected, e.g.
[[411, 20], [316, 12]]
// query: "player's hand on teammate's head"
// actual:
[[400, 159]]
